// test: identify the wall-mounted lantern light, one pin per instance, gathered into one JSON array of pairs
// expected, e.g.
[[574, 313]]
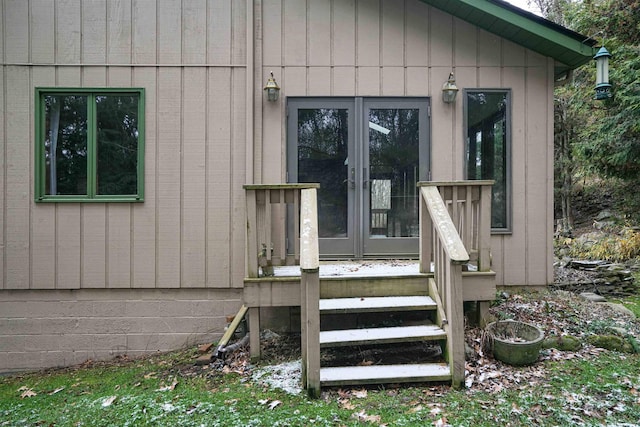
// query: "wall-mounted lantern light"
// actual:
[[603, 88], [449, 90], [272, 89]]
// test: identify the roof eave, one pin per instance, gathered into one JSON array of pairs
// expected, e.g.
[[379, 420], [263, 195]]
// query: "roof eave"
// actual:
[[569, 49]]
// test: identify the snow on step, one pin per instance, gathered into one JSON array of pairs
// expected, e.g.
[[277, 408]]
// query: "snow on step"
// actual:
[[377, 374], [334, 305], [381, 335]]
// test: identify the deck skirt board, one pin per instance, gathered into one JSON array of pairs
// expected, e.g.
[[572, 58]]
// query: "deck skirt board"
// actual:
[[385, 374], [337, 338], [375, 304]]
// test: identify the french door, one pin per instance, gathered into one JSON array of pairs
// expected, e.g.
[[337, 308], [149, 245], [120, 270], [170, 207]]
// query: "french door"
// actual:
[[367, 154]]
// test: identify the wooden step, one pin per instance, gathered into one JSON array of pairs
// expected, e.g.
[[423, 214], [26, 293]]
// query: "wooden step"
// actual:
[[378, 374], [376, 304], [346, 337]]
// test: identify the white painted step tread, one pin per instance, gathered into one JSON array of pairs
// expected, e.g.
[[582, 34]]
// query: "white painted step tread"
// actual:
[[376, 374], [417, 302], [381, 335]]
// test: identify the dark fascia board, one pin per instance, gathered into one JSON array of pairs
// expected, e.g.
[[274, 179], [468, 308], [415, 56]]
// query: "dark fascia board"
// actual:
[[569, 49]]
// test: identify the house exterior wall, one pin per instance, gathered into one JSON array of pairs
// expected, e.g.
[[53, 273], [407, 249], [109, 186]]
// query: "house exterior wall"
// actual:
[[208, 132], [408, 48], [46, 328], [191, 59]]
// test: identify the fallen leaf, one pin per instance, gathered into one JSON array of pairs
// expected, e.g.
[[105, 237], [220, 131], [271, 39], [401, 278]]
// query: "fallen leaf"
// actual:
[[27, 392], [169, 387], [346, 404], [366, 363], [416, 409], [435, 411], [344, 393], [360, 394], [108, 401], [263, 401], [362, 416], [273, 404]]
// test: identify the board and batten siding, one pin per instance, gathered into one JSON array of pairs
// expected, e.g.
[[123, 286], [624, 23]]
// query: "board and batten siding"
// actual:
[[407, 48], [191, 59]]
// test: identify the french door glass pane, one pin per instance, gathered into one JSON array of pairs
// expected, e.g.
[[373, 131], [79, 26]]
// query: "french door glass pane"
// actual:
[[117, 144], [65, 144], [323, 158], [393, 172]]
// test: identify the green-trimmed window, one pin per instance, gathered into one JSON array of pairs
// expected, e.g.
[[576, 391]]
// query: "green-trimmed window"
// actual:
[[488, 148], [89, 145]]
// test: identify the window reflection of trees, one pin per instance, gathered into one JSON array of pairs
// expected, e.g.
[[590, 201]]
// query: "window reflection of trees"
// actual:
[[323, 158], [487, 147], [67, 145], [395, 156]]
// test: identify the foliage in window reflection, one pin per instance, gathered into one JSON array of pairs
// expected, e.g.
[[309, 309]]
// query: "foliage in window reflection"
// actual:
[[80, 138], [323, 158], [117, 144], [65, 144], [394, 156]]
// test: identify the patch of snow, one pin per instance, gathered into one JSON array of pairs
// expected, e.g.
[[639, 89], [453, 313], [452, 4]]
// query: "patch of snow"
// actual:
[[357, 269], [285, 376]]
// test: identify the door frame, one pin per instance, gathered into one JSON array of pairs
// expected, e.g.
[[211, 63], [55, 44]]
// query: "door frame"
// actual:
[[358, 244]]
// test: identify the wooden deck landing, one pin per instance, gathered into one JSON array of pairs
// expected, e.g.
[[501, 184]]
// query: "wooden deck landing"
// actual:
[[362, 268]]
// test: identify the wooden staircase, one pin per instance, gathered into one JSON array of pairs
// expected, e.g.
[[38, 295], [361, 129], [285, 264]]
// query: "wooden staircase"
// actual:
[[375, 373], [455, 224]]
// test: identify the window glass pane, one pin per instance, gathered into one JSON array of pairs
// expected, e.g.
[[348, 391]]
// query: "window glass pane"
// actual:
[[323, 157], [116, 144], [487, 147], [393, 162], [65, 144]]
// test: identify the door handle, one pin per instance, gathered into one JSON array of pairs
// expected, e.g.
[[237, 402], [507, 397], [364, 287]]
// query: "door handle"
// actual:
[[365, 178], [352, 180]]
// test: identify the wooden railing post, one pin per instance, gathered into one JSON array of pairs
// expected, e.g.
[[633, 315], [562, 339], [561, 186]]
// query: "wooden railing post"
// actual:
[[455, 316], [252, 234], [310, 292], [426, 237]]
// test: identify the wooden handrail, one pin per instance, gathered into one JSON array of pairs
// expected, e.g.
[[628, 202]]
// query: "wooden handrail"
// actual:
[[440, 241], [445, 229]]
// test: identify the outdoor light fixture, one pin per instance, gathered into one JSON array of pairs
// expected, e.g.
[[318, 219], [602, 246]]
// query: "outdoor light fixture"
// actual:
[[449, 90], [272, 89], [603, 88]]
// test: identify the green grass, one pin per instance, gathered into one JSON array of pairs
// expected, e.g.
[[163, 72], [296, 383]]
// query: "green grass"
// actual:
[[602, 391]]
